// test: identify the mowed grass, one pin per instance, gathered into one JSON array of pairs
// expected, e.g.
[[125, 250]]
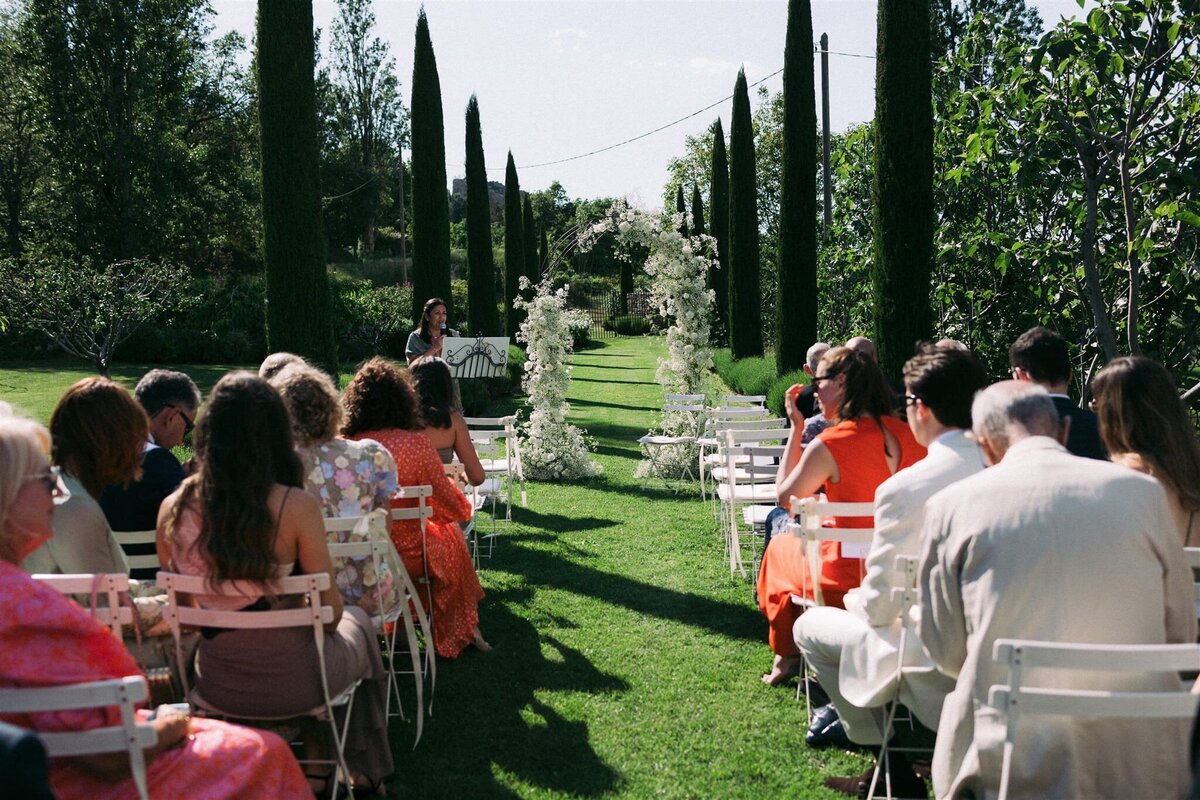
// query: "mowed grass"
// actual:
[[626, 659]]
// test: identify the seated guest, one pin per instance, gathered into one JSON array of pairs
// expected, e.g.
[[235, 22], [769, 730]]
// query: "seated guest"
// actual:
[[426, 341], [445, 427], [243, 516], [381, 405], [1144, 425], [98, 431], [170, 400], [807, 401], [1040, 356], [854, 652], [190, 757], [275, 362], [1049, 546], [865, 446], [350, 478]]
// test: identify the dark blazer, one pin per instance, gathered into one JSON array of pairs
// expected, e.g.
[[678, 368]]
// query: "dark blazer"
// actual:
[[24, 768], [1084, 437], [135, 507]]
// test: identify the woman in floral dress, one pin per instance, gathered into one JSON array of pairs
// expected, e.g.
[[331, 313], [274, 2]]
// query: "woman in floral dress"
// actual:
[[381, 405], [350, 478], [47, 640]]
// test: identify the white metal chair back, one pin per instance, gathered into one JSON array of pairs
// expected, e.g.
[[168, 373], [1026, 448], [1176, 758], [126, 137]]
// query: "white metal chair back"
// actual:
[[738, 487], [501, 431], [422, 512], [714, 429], [854, 542], [130, 736], [378, 548], [743, 400], [135, 538], [109, 585], [311, 614], [1017, 697]]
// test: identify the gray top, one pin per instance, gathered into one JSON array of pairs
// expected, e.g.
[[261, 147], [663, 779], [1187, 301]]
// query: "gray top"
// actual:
[[418, 345]]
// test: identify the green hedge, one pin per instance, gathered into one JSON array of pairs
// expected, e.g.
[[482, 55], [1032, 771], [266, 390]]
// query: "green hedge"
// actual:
[[756, 375]]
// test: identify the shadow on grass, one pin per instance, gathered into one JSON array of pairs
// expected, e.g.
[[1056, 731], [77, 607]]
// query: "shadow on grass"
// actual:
[[609, 380], [615, 434], [594, 365], [541, 568], [488, 718], [559, 523], [622, 406]]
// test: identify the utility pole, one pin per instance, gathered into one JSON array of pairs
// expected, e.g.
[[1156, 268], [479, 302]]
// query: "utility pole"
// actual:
[[826, 181]]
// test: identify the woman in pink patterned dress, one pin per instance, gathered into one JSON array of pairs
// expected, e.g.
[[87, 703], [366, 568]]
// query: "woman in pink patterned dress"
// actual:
[[47, 640], [381, 405]]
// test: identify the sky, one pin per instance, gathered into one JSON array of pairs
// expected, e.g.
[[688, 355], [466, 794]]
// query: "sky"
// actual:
[[559, 78]]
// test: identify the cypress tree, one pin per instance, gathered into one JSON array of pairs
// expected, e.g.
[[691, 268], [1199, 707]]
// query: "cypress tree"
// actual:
[[514, 246], [902, 192], [298, 310], [745, 314], [481, 266], [430, 206], [718, 217], [529, 245], [626, 287], [544, 253], [697, 212], [681, 210], [796, 298]]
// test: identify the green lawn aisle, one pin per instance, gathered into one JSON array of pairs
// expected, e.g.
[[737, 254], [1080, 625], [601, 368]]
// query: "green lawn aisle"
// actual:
[[627, 659]]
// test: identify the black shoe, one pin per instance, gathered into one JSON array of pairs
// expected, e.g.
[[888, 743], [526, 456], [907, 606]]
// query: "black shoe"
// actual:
[[826, 730]]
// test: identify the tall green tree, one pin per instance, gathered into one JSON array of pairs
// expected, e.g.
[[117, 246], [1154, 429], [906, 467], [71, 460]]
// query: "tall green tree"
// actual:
[[514, 246], [903, 187], [481, 265], [698, 228], [681, 210], [745, 317], [529, 246], [368, 123], [430, 203], [718, 199], [22, 113], [796, 287], [543, 252], [298, 310]]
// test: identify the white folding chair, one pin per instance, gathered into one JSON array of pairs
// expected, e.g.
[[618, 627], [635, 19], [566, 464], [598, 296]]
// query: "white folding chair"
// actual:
[[375, 547], [139, 561], [680, 411], [311, 613], [422, 512], [1018, 697], [744, 401], [109, 585], [907, 596], [1193, 556], [743, 483], [853, 542], [124, 693], [709, 441], [504, 462]]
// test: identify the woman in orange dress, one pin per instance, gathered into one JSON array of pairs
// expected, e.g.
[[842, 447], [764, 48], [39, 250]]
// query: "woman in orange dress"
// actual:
[[47, 640], [864, 447], [381, 405]]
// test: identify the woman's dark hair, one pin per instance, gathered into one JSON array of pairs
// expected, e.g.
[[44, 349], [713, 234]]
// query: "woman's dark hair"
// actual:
[[435, 390], [1140, 412], [243, 445], [865, 392], [379, 397], [426, 311], [98, 431]]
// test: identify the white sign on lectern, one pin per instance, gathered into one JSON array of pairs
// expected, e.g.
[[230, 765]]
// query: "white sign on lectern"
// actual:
[[478, 357]]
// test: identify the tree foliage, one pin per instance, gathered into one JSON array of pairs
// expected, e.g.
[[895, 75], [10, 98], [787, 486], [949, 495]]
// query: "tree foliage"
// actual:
[[514, 244], [431, 209], [719, 227], [745, 318], [481, 266]]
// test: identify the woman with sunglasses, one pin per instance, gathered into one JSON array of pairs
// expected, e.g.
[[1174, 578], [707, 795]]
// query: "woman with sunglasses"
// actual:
[[866, 444], [98, 431], [190, 757]]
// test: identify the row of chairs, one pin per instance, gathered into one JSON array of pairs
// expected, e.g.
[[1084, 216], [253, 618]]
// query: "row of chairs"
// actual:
[[1018, 696]]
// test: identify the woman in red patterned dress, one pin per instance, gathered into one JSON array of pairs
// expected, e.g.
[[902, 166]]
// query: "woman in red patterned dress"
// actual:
[[47, 640], [381, 405]]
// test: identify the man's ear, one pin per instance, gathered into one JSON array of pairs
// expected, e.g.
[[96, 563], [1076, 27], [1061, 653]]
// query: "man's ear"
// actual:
[[1019, 374], [1064, 430], [990, 452]]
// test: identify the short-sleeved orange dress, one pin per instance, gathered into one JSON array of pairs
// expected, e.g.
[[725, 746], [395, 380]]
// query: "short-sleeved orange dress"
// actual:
[[857, 448], [454, 585]]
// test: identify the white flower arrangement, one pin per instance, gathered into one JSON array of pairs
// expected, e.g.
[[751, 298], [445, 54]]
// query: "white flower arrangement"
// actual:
[[551, 448], [677, 266]]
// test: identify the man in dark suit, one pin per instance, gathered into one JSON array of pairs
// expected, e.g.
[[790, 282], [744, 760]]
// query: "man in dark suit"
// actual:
[[170, 400], [1040, 355]]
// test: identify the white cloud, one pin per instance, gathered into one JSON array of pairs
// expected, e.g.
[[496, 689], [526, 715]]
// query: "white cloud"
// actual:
[[568, 40], [712, 66]]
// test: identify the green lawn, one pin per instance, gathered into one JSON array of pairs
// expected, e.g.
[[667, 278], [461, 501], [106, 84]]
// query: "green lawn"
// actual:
[[626, 658]]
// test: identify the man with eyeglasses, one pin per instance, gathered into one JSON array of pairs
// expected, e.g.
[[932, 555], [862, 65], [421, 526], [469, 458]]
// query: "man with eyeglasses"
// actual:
[[171, 400]]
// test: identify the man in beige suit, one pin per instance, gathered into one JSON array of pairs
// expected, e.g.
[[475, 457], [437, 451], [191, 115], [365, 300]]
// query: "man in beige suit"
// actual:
[[1050, 546], [855, 652]]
